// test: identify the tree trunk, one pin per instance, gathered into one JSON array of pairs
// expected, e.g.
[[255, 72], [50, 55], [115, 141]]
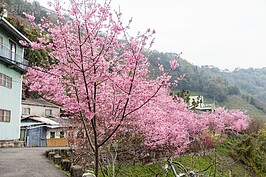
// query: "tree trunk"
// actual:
[[96, 157]]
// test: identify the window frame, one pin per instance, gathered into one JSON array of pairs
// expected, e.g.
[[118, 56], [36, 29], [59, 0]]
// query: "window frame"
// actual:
[[62, 134], [1, 42], [12, 50], [6, 81], [52, 135], [50, 112], [5, 115], [26, 112], [1, 79]]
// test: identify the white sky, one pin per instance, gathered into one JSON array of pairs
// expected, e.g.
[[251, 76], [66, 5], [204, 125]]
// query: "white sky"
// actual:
[[224, 33]]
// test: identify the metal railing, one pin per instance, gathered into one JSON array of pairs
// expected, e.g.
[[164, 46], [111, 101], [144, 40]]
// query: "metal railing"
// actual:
[[13, 58]]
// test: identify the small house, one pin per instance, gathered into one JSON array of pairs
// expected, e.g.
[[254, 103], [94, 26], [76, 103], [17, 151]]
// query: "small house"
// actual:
[[41, 124]]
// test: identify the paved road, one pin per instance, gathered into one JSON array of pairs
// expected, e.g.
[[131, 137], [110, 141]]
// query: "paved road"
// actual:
[[26, 162]]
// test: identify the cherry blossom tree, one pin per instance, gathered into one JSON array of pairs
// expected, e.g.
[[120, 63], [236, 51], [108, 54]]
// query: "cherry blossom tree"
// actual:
[[97, 77], [235, 120], [101, 77], [165, 125], [171, 127]]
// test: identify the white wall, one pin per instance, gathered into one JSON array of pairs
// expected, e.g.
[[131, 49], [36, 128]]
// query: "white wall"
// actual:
[[57, 132], [10, 99], [40, 111]]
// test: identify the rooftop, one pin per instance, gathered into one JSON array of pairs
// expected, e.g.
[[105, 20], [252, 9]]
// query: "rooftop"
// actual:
[[38, 102], [12, 30]]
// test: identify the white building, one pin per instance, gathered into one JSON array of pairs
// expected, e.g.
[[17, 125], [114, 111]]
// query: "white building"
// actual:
[[39, 107], [197, 103], [12, 66]]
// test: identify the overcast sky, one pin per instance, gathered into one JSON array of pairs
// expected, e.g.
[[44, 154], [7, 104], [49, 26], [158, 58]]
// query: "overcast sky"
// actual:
[[224, 33]]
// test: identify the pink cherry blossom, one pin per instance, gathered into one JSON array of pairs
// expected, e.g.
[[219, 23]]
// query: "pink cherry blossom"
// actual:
[[30, 17], [105, 83], [173, 64]]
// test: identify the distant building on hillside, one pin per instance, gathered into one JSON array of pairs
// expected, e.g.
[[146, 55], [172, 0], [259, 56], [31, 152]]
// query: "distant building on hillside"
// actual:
[[197, 103]]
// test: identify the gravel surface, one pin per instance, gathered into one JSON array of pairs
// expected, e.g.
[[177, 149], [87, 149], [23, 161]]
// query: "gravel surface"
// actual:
[[26, 162]]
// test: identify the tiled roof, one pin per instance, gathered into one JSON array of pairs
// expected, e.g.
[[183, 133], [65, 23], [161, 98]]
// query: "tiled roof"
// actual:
[[38, 102]]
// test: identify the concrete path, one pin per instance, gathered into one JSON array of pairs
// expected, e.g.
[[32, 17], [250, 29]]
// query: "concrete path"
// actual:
[[26, 162]]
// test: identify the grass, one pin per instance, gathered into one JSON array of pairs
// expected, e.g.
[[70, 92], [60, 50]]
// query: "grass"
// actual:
[[59, 167], [224, 167]]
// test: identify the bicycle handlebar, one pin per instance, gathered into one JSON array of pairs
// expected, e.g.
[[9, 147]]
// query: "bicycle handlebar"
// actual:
[[190, 173], [203, 170]]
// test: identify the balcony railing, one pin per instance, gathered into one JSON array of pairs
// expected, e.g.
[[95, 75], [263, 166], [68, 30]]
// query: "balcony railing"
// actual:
[[13, 58]]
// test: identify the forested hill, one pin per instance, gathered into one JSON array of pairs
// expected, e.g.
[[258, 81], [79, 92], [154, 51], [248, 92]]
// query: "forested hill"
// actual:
[[197, 79], [251, 80], [17, 8], [242, 88], [15, 15], [247, 86], [252, 83]]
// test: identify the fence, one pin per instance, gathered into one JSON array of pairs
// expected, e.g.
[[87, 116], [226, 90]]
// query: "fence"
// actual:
[[13, 58]]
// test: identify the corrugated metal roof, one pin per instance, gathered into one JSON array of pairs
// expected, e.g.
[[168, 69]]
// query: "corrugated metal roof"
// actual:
[[55, 122], [53, 126], [44, 120], [25, 124]]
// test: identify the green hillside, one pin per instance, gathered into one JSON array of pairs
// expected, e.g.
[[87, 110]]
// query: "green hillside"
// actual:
[[237, 102], [252, 81], [222, 87]]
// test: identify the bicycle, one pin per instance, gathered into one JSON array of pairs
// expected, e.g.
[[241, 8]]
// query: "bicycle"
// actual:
[[170, 165]]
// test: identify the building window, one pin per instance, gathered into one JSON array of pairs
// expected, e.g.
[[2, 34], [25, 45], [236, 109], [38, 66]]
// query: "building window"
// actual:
[[48, 112], [1, 42], [12, 48], [52, 134], [5, 81], [26, 111], [62, 134], [1, 79], [5, 115]]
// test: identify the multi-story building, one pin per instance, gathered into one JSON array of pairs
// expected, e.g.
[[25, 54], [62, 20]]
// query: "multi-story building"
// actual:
[[12, 67]]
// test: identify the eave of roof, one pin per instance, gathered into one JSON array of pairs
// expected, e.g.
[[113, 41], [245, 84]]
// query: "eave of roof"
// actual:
[[39, 102], [25, 124], [44, 120], [40, 120], [13, 30]]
